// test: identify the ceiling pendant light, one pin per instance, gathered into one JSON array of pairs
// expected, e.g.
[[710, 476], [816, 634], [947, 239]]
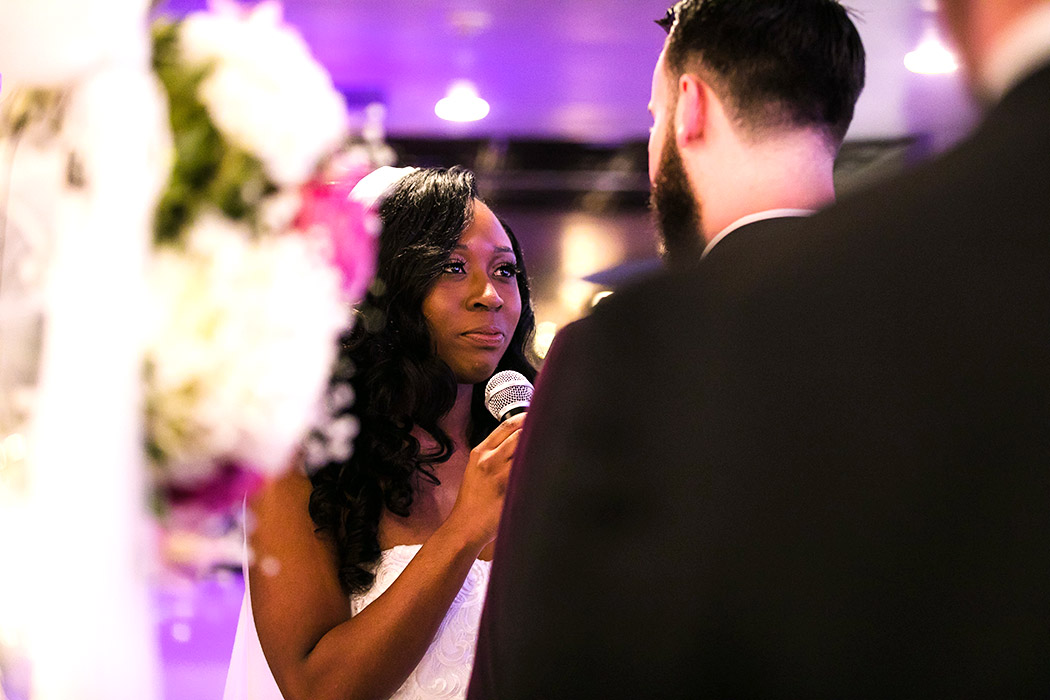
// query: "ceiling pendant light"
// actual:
[[932, 56], [462, 103]]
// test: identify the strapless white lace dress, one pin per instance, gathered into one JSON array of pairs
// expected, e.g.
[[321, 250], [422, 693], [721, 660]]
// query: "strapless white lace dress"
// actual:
[[444, 670]]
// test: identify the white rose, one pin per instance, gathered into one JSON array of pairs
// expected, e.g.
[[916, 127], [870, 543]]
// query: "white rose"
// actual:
[[266, 92], [243, 340]]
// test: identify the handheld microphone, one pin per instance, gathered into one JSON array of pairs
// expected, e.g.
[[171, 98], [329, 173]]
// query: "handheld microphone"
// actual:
[[507, 393]]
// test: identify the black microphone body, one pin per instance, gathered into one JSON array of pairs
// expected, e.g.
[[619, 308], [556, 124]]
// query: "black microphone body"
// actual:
[[513, 412]]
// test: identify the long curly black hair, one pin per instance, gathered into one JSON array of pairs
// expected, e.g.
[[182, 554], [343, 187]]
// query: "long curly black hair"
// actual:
[[398, 382]]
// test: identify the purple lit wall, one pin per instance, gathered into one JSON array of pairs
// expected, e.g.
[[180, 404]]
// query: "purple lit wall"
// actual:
[[195, 624], [576, 70]]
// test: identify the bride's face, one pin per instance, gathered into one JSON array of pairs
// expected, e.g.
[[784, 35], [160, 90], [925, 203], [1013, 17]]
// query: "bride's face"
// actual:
[[473, 308]]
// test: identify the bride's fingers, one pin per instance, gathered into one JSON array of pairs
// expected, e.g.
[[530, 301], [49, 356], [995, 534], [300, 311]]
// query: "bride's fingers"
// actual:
[[504, 430]]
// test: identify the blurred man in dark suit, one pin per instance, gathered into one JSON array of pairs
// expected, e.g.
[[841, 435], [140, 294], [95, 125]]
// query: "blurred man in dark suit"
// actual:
[[825, 475]]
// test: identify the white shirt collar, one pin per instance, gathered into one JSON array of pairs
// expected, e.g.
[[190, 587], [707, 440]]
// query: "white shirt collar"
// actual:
[[1018, 53], [752, 218]]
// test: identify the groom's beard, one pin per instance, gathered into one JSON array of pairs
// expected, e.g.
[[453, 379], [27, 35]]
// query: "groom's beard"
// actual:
[[676, 209]]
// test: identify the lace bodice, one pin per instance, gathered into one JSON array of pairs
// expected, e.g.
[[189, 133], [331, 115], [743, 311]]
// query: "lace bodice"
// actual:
[[444, 670]]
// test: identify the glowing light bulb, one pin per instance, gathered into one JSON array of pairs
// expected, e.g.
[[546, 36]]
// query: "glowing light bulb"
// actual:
[[931, 57], [462, 103]]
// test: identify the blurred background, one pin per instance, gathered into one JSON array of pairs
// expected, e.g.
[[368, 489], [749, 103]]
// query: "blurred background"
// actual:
[[561, 152]]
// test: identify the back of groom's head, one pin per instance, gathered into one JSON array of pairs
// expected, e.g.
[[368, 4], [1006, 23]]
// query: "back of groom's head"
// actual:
[[776, 63]]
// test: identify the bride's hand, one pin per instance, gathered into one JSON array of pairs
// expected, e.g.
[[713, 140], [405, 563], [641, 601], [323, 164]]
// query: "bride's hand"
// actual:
[[480, 500]]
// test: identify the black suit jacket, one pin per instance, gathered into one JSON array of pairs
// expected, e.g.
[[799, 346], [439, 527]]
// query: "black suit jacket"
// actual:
[[816, 466]]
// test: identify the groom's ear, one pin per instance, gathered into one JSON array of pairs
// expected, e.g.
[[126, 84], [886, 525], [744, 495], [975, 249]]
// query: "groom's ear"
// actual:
[[691, 109]]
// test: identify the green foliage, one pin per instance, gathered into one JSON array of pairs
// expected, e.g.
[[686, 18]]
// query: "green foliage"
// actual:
[[208, 169], [32, 106]]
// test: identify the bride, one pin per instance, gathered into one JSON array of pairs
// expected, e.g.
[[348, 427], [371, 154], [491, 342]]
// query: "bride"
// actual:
[[368, 576]]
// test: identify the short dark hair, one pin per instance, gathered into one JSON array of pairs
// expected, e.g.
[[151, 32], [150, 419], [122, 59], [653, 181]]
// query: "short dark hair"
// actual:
[[774, 62]]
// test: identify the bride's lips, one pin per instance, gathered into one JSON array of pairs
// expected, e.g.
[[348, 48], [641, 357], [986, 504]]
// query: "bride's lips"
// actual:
[[485, 337]]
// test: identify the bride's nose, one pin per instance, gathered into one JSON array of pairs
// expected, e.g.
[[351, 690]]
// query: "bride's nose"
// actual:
[[484, 295]]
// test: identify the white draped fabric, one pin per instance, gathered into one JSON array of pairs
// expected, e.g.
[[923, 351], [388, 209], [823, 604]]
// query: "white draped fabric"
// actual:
[[80, 560]]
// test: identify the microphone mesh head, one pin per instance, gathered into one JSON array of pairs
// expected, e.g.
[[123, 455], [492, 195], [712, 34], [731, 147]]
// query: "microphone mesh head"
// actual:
[[506, 391]]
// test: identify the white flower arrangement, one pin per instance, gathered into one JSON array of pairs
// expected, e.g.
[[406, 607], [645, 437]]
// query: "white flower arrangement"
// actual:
[[231, 159], [260, 255], [266, 93], [258, 251], [241, 350]]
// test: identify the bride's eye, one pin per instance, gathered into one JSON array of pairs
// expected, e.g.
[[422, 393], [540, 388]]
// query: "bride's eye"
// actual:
[[454, 267], [508, 270]]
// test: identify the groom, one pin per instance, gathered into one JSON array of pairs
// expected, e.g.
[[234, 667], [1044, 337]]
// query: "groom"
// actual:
[[594, 576], [826, 476]]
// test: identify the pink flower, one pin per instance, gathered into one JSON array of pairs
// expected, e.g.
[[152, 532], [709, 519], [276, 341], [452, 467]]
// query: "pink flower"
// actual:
[[349, 228], [218, 494]]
